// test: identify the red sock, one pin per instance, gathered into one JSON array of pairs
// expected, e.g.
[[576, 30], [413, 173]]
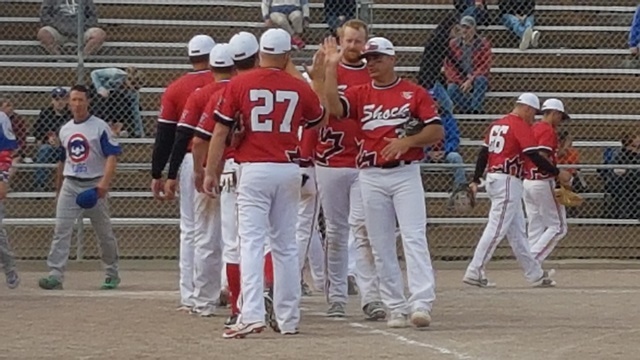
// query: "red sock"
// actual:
[[233, 278], [268, 270]]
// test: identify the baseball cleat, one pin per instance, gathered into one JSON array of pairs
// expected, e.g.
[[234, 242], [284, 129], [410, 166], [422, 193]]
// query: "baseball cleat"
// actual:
[[206, 311], [110, 283], [336, 310], [483, 282], [421, 318], [546, 281], [50, 283], [270, 314], [397, 321], [231, 321], [13, 280], [290, 332], [374, 311], [184, 308], [240, 330]]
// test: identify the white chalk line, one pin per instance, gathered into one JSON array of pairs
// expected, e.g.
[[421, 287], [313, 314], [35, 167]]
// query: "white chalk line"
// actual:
[[402, 339]]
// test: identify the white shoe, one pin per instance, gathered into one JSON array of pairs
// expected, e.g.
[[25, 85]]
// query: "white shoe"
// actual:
[[526, 39], [207, 311], [479, 282], [421, 318], [535, 39], [546, 281], [397, 321]]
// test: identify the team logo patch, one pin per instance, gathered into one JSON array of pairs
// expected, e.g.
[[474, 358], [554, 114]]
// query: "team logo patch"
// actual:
[[407, 94], [78, 148]]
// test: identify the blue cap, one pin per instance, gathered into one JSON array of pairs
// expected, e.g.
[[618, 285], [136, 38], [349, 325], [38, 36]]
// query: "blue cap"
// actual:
[[58, 92], [88, 198]]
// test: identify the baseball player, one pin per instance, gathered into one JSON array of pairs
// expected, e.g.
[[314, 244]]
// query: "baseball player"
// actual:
[[8, 143], [339, 186], [507, 142], [88, 163], [547, 218], [307, 232], [207, 223], [271, 104], [172, 105], [390, 180]]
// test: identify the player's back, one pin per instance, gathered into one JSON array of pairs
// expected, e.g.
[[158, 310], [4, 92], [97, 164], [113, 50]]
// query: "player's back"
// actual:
[[272, 105], [506, 139], [547, 140], [177, 93], [338, 141]]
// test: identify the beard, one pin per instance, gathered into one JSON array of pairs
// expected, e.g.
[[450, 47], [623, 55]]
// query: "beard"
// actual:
[[352, 56]]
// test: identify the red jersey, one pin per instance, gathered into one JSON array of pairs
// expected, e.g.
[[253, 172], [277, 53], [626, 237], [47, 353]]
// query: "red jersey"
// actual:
[[271, 105], [195, 105], [382, 112], [206, 124], [176, 94], [547, 139], [308, 142], [507, 139], [338, 141]]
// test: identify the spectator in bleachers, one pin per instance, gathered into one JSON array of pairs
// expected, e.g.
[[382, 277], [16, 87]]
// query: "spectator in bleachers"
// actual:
[[568, 155], [290, 15], [46, 130], [517, 16], [337, 12], [634, 33], [467, 68], [59, 20], [118, 100], [475, 8], [626, 196], [19, 129], [447, 151]]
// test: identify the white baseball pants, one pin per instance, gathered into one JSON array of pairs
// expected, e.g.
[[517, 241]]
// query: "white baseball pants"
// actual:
[[398, 193], [207, 252], [341, 199], [506, 218], [268, 197], [351, 246], [547, 218], [229, 218], [187, 231], [307, 233]]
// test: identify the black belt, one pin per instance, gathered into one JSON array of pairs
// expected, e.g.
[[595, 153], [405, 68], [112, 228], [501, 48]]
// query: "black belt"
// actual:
[[394, 164], [82, 179]]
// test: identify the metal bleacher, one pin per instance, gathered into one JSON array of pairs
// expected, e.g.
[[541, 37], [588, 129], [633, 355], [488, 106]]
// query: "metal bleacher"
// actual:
[[583, 45]]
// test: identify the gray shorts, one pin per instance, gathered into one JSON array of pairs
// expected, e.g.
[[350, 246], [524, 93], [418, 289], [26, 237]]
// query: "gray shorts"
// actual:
[[62, 39]]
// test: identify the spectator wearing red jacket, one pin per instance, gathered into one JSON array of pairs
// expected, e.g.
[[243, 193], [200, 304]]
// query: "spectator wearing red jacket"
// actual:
[[467, 67]]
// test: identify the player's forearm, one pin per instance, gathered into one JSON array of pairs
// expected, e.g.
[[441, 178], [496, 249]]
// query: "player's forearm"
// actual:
[[542, 163], [109, 171], [332, 96], [430, 134], [199, 150], [216, 149]]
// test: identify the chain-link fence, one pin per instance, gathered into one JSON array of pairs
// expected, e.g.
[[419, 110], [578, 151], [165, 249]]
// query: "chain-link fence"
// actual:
[[577, 51]]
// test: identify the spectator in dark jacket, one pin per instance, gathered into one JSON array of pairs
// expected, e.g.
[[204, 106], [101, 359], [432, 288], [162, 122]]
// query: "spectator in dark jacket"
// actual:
[[467, 68], [626, 182], [634, 33], [59, 20], [517, 16], [337, 12], [46, 130], [475, 8]]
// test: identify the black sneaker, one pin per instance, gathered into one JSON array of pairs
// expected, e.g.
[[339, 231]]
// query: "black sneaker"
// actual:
[[374, 311]]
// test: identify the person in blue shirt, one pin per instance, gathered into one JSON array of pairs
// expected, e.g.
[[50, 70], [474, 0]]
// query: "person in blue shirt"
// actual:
[[447, 150], [8, 144], [634, 32]]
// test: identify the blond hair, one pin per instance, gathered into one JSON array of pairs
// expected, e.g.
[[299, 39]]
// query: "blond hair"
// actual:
[[355, 24]]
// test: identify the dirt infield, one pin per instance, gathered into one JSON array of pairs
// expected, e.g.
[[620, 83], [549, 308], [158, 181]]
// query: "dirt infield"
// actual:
[[591, 315]]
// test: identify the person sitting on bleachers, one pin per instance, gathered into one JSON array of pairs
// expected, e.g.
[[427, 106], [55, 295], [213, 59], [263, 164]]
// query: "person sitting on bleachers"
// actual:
[[475, 8], [337, 12], [290, 15], [119, 98], [517, 16], [634, 33], [19, 129], [45, 131], [626, 196], [59, 20], [467, 68], [447, 150]]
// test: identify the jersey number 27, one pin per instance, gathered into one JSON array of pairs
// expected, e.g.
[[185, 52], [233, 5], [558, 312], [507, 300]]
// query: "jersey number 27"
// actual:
[[261, 116], [496, 138]]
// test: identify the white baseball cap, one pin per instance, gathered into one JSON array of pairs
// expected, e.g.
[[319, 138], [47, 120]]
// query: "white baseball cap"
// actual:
[[201, 45], [529, 99], [220, 56], [275, 41], [555, 104], [378, 45], [243, 45]]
